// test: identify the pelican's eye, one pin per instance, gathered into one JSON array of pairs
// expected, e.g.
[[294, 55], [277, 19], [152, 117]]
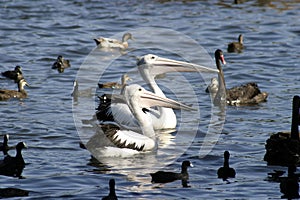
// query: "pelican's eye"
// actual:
[[140, 89], [153, 57]]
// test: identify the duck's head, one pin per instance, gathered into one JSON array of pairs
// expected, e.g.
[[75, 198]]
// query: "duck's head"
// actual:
[[126, 37], [23, 83], [21, 145], [226, 155], [241, 38], [187, 163], [18, 69]]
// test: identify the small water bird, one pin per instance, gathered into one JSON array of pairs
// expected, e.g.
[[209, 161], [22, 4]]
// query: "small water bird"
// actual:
[[112, 193], [113, 43], [236, 46], [13, 192], [289, 186], [226, 172], [149, 67], [9, 94], [15, 74], [283, 148], [4, 145], [166, 177], [246, 94], [61, 64], [128, 142], [115, 85], [13, 166]]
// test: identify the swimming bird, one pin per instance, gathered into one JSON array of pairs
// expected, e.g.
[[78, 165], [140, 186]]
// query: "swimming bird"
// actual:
[[9, 94], [284, 148], [61, 64], [166, 177], [149, 67], [4, 145], [245, 94], [15, 74], [112, 193], [13, 166], [128, 142], [115, 85], [226, 172], [236, 46], [13, 192], [113, 43]]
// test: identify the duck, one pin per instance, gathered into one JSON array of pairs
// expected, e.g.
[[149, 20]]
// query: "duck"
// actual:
[[13, 192], [112, 193], [236, 46], [247, 94], [213, 87], [113, 43], [226, 172], [13, 166], [61, 64], [15, 74], [115, 85], [166, 177], [9, 94], [283, 148], [289, 185]]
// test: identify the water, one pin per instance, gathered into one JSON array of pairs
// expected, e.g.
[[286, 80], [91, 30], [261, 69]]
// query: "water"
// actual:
[[33, 34]]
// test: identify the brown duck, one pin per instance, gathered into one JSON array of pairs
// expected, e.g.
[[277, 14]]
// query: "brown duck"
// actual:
[[9, 94], [236, 46], [115, 85]]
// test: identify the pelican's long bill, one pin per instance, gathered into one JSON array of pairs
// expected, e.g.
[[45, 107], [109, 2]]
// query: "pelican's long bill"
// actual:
[[159, 65], [148, 99]]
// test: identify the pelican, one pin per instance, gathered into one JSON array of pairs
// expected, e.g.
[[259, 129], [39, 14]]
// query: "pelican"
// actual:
[[149, 67], [139, 102], [113, 43]]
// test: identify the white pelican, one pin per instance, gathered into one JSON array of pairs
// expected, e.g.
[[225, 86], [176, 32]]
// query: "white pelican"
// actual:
[[113, 43], [150, 66], [139, 102]]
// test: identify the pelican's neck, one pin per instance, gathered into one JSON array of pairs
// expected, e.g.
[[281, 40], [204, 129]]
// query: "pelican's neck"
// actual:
[[295, 118], [145, 123], [167, 118]]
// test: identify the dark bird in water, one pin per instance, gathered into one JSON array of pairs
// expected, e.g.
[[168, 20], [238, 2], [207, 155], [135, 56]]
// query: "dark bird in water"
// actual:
[[236, 46], [13, 192], [289, 186], [226, 172], [283, 148], [115, 85], [20, 94], [112, 193], [61, 64], [246, 94], [4, 145], [166, 177], [15, 74], [13, 166]]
